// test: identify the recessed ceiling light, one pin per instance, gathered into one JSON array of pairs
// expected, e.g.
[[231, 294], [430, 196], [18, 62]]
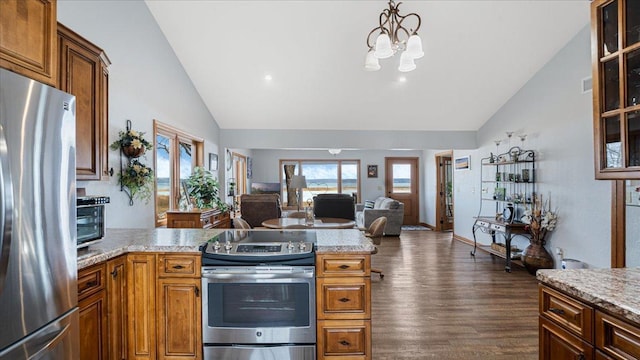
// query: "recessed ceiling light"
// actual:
[[268, 77], [402, 79]]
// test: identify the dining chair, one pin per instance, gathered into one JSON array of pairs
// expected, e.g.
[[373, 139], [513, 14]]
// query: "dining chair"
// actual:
[[375, 232], [240, 223]]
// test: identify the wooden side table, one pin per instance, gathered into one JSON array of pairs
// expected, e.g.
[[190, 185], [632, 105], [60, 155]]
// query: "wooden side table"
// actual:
[[198, 218]]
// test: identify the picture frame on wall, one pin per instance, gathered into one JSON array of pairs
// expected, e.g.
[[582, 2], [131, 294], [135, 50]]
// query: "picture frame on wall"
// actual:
[[462, 163], [213, 162], [372, 171]]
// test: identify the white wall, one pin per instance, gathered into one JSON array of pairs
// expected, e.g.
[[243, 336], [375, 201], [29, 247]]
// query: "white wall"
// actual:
[[146, 82], [557, 117]]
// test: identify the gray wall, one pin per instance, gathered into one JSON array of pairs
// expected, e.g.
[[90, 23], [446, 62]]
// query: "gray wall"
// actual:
[[146, 82], [557, 117]]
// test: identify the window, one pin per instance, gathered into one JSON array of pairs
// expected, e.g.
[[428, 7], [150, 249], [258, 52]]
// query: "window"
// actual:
[[176, 154], [322, 176]]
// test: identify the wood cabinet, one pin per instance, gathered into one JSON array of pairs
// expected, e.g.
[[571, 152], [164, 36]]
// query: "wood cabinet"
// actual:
[[92, 301], [201, 218], [164, 306], [117, 308], [343, 306], [83, 72], [180, 307], [28, 43], [141, 306], [616, 88], [573, 329]]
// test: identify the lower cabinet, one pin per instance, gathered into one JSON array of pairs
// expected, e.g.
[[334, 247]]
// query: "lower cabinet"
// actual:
[[92, 301], [117, 308], [573, 329], [343, 306], [141, 306], [179, 324]]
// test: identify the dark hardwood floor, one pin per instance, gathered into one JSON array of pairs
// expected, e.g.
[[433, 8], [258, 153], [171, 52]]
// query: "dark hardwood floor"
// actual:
[[438, 302]]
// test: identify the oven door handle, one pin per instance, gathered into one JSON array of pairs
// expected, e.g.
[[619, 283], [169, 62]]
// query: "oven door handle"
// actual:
[[257, 273]]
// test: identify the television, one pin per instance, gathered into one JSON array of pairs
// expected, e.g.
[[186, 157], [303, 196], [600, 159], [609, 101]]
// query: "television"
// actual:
[[265, 188]]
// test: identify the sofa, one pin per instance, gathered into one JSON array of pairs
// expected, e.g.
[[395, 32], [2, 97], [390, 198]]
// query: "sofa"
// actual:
[[256, 208], [392, 209], [334, 206]]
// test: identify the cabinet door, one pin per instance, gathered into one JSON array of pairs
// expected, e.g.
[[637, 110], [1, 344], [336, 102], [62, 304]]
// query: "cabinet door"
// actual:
[[558, 344], [179, 319], [83, 74], [116, 312], [141, 306], [93, 327], [616, 88], [28, 43]]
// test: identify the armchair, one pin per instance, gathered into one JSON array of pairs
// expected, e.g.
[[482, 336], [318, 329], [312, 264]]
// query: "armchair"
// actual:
[[256, 208]]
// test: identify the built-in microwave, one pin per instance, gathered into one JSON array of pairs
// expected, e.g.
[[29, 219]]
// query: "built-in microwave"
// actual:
[[90, 219]]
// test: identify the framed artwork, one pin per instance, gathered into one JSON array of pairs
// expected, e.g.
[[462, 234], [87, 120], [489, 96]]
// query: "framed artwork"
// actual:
[[462, 163], [213, 162], [249, 168], [372, 171]]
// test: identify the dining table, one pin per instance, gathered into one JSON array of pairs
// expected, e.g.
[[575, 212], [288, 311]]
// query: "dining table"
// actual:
[[301, 223]]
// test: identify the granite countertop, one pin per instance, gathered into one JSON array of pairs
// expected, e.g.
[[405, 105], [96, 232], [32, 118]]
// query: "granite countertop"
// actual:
[[122, 241], [614, 290]]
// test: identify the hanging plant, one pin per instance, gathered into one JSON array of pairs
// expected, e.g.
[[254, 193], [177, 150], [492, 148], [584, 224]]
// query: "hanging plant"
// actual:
[[132, 143], [138, 179]]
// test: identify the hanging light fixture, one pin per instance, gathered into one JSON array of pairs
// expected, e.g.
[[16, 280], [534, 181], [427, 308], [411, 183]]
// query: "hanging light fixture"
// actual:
[[393, 36]]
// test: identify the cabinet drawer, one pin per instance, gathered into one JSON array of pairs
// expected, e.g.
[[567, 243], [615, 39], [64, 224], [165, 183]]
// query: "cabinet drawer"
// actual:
[[344, 339], [343, 265], [178, 265], [567, 312], [617, 338], [91, 280], [343, 298]]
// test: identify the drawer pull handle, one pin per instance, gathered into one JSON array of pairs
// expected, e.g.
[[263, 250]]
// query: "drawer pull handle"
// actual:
[[344, 300], [557, 311], [345, 343], [343, 266], [91, 284], [178, 267]]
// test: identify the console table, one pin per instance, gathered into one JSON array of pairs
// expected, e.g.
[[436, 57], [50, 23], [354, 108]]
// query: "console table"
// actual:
[[198, 218], [492, 226]]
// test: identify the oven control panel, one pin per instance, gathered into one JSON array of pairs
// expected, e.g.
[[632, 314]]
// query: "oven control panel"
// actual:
[[258, 249]]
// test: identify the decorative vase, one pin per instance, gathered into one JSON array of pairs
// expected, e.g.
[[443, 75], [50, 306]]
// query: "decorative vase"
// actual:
[[535, 257], [132, 152]]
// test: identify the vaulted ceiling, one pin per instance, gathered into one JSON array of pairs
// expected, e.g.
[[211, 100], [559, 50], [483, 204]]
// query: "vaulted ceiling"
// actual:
[[477, 55]]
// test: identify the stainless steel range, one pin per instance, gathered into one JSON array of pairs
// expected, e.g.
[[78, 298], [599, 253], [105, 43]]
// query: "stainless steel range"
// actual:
[[259, 295]]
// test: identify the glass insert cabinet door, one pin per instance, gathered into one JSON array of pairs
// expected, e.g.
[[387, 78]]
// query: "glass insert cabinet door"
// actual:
[[616, 78]]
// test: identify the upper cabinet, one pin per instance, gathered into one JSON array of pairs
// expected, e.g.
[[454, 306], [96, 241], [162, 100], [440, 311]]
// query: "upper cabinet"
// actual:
[[83, 73], [28, 38], [615, 39]]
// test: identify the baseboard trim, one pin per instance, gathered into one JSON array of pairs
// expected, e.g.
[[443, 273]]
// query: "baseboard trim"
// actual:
[[462, 239], [427, 225]]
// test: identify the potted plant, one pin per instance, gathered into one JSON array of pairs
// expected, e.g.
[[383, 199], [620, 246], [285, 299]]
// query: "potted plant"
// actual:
[[132, 143], [138, 179], [204, 189]]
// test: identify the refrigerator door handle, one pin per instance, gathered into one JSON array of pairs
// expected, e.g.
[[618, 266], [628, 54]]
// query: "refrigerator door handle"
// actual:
[[6, 208]]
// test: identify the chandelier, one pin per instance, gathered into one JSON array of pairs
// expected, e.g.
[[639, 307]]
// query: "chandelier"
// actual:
[[393, 36]]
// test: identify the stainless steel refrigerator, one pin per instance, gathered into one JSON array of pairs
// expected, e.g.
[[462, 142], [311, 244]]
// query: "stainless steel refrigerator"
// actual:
[[38, 259]]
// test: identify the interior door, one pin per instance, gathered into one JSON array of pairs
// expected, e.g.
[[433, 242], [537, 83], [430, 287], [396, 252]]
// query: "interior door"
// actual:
[[444, 191], [401, 183]]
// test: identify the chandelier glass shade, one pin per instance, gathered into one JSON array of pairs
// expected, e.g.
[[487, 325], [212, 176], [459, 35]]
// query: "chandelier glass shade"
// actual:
[[391, 36]]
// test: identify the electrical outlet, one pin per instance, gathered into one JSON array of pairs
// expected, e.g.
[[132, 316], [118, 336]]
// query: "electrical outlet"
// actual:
[[559, 251]]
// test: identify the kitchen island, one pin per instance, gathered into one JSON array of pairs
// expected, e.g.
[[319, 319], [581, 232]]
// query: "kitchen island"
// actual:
[[140, 293], [590, 313]]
